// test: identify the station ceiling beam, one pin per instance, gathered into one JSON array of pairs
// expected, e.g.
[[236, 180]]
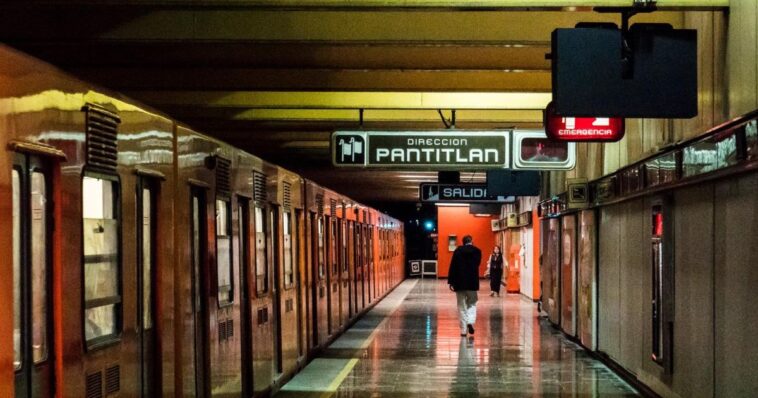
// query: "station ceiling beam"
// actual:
[[103, 23], [405, 4], [502, 55], [346, 99], [203, 78]]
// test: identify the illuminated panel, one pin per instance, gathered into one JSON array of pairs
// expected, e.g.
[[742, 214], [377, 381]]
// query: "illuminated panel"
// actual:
[[532, 150], [584, 129]]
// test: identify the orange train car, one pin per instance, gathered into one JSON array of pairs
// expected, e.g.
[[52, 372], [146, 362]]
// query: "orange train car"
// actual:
[[151, 260]]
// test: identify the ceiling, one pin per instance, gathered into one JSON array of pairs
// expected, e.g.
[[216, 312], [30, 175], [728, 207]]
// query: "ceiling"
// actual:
[[278, 77]]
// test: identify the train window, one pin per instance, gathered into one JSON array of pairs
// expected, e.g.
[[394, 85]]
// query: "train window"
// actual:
[[261, 269], [16, 182], [321, 270], [344, 247], [381, 244], [359, 244], [243, 209], [658, 264], [388, 242], [334, 253], [224, 252], [370, 244], [297, 224], [288, 246], [147, 258], [198, 249], [39, 267], [102, 274]]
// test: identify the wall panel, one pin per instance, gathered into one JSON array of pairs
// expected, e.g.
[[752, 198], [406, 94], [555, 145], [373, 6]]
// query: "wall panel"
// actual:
[[633, 249], [551, 270], [741, 56], [586, 256], [568, 274], [736, 276], [608, 281], [693, 276]]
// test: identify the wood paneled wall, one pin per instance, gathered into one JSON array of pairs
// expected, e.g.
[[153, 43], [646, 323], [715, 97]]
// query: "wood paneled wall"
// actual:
[[742, 57]]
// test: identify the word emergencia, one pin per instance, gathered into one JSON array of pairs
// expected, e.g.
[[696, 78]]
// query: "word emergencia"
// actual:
[[584, 129]]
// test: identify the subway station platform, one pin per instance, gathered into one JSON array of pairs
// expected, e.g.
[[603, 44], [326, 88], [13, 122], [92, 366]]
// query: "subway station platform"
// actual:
[[409, 345]]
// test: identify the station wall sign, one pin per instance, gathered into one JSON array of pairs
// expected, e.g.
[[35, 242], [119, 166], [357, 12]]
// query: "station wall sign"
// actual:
[[431, 150], [459, 193], [582, 129], [532, 150]]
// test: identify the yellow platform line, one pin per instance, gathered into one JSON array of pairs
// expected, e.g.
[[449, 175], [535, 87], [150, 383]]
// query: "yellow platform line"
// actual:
[[295, 386]]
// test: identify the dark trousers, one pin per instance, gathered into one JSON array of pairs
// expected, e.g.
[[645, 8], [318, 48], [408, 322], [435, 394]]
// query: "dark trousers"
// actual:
[[496, 277]]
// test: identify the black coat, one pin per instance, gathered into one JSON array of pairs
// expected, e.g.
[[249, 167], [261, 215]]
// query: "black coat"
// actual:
[[464, 268]]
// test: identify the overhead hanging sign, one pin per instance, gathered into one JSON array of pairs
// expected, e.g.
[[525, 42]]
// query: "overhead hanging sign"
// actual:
[[532, 150], [435, 150], [513, 182], [584, 129], [459, 193]]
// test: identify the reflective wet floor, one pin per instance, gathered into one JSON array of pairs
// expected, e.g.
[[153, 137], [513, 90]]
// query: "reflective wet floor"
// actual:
[[410, 345]]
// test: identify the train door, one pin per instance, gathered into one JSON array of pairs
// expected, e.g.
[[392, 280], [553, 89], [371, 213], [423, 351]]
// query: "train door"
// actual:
[[274, 223], [262, 345], [364, 264], [32, 247], [367, 266], [298, 280], [371, 263], [147, 191], [288, 322], [316, 288], [199, 227], [357, 269], [334, 276], [243, 209], [345, 252]]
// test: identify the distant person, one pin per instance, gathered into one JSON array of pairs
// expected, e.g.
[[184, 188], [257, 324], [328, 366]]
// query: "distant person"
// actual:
[[495, 270], [463, 279]]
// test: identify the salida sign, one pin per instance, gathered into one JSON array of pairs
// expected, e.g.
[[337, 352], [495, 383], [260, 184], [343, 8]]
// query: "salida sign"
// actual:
[[437, 150], [586, 129], [460, 193]]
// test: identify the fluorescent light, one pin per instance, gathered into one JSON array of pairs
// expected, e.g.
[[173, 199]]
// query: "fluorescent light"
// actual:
[[451, 204]]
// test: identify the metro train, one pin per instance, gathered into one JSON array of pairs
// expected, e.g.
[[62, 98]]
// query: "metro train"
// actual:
[[148, 259]]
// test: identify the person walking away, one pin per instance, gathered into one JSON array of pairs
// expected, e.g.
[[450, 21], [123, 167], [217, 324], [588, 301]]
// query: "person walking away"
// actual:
[[463, 279], [496, 270]]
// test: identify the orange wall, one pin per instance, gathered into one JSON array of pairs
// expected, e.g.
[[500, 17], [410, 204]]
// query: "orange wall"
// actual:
[[457, 221]]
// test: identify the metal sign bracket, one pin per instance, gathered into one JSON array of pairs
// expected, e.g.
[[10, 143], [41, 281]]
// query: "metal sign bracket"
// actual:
[[627, 52]]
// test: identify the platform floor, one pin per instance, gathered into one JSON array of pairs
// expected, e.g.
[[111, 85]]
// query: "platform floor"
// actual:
[[409, 345]]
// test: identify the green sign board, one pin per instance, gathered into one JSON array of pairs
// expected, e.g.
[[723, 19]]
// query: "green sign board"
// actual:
[[436, 150]]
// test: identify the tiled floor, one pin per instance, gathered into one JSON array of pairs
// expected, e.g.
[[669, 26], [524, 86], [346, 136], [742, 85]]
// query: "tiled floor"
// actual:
[[409, 345]]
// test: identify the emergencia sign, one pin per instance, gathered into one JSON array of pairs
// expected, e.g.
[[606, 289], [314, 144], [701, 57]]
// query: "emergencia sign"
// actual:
[[443, 149], [462, 193]]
